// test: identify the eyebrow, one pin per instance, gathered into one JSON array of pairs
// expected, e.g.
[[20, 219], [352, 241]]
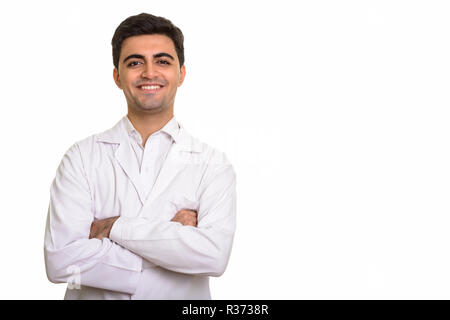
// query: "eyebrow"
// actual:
[[140, 56], [163, 54]]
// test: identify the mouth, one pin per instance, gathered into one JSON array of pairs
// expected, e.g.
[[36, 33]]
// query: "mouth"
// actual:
[[150, 88]]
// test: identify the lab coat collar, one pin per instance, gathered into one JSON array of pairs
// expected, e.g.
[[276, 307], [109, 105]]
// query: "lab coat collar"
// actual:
[[181, 137], [171, 128], [177, 159]]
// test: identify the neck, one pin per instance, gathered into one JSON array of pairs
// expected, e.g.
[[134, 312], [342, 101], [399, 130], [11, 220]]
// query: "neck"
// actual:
[[147, 124]]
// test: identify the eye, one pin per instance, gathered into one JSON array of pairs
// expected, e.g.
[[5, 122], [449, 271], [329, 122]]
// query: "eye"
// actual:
[[163, 62], [133, 63]]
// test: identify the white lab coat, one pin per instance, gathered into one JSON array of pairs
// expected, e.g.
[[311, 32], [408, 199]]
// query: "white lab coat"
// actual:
[[146, 256]]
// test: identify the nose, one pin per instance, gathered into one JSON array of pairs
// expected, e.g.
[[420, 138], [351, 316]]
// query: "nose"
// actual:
[[149, 71]]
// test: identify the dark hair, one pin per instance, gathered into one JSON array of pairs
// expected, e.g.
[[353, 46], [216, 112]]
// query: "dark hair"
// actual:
[[145, 23]]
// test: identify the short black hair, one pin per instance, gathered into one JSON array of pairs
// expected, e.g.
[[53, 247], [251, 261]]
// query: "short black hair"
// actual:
[[145, 23]]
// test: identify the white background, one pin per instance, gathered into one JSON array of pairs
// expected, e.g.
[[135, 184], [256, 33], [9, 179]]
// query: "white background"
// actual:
[[335, 115]]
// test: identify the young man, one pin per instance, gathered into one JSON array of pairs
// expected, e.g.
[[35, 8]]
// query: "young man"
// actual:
[[143, 210]]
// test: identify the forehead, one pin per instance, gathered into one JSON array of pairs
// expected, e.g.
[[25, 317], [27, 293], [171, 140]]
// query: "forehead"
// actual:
[[147, 44]]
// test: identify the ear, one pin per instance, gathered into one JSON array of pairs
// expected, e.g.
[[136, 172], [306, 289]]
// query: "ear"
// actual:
[[182, 75], [116, 78]]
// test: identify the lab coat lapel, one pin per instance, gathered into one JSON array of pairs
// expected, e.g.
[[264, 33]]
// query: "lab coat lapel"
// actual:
[[124, 155], [180, 155], [171, 168]]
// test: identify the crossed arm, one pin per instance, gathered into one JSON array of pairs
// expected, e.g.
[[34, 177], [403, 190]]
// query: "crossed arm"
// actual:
[[111, 258], [101, 228]]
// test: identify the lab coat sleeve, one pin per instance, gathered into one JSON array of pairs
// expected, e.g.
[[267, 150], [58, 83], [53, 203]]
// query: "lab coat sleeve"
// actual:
[[70, 256], [202, 250]]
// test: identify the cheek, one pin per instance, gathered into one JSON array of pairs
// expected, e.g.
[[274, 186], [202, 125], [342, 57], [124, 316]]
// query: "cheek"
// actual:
[[127, 79], [175, 80]]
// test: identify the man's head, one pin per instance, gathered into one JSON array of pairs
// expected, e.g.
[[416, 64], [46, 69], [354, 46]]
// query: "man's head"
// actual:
[[148, 58], [145, 23]]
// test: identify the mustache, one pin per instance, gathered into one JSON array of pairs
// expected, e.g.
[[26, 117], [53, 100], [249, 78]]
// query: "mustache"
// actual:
[[157, 81]]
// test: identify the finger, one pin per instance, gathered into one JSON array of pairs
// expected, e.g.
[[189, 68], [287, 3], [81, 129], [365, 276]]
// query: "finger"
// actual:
[[185, 220], [188, 210], [192, 221], [186, 217], [183, 216], [188, 213], [91, 232]]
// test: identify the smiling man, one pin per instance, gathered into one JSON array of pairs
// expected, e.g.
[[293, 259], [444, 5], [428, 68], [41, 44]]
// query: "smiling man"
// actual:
[[143, 210]]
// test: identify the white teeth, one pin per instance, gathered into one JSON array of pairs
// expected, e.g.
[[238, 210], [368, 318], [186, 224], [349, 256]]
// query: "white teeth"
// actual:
[[150, 87]]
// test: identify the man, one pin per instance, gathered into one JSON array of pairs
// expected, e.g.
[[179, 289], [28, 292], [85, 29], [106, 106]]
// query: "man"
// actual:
[[143, 210]]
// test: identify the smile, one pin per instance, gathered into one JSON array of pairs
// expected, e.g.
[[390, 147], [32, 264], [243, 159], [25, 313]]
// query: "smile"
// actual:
[[150, 88]]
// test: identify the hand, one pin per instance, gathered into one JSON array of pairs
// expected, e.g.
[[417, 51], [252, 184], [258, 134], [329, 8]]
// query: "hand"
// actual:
[[186, 217], [101, 228]]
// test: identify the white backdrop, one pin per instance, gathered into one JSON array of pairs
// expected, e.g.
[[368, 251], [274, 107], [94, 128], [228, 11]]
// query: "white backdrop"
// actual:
[[334, 113]]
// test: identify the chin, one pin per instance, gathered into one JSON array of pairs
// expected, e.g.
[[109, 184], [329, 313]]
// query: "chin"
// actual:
[[151, 108]]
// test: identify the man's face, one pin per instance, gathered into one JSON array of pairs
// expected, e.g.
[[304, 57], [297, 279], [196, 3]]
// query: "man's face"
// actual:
[[149, 73]]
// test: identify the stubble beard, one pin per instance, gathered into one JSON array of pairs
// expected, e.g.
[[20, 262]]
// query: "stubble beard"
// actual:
[[148, 106]]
